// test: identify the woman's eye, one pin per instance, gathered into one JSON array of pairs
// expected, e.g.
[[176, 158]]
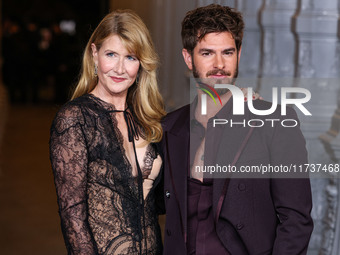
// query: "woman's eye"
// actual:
[[110, 54], [131, 58]]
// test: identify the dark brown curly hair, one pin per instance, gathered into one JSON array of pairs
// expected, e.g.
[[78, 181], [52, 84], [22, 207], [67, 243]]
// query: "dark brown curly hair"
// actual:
[[212, 18]]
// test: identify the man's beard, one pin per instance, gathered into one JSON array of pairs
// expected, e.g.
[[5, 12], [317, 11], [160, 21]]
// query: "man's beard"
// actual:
[[211, 81]]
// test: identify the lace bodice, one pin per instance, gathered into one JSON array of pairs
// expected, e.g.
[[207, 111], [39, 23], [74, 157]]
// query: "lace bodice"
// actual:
[[105, 207]]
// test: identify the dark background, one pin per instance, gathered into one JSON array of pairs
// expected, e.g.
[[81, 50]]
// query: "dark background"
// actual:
[[40, 66], [41, 60]]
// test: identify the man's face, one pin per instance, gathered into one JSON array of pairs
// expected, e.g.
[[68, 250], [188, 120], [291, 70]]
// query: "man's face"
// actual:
[[214, 59]]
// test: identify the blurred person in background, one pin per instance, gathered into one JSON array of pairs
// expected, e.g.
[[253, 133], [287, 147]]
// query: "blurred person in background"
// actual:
[[21, 72]]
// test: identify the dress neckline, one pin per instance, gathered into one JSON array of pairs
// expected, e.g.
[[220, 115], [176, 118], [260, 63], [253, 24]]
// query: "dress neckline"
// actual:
[[133, 128], [107, 106]]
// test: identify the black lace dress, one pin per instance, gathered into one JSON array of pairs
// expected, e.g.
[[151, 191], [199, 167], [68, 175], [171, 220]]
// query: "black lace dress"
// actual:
[[104, 207]]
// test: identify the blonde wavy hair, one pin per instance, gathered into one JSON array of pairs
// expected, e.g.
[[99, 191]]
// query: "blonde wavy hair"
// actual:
[[143, 97]]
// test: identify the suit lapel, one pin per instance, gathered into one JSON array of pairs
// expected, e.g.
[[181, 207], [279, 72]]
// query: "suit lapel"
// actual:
[[230, 148], [178, 147], [233, 142]]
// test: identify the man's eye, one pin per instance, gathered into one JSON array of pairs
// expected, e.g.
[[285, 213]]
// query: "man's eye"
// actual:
[[205, 53]]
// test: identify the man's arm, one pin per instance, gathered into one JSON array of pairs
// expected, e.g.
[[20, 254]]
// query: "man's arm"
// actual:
[[291, 196]]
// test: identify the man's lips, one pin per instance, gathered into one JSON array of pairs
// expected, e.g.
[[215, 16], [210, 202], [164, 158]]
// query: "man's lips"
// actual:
[[218, 76], [117, 79], [218, 73]]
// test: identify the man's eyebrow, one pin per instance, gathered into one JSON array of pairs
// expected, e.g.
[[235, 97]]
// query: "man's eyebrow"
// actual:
[[205, 50], [233, 49]]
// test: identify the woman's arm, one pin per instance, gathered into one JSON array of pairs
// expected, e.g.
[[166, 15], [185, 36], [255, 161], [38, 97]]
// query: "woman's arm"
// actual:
[[68, 154]]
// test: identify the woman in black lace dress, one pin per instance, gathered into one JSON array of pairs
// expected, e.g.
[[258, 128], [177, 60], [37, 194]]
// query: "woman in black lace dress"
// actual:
[[105, 162]]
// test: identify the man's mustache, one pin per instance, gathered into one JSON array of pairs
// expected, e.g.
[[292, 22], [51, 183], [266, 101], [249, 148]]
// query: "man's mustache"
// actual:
[[218, 71]]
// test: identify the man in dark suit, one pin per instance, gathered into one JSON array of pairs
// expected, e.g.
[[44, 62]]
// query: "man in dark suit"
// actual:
[[230, 215]]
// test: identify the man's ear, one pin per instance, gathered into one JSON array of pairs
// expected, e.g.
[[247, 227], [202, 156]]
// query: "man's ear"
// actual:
[[94, 53], [187, 58]]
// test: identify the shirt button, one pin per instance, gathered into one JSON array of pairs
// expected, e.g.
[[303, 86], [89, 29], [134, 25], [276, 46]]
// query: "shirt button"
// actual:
[[167, 194], [239, 226], [168, 232], [241, 186]]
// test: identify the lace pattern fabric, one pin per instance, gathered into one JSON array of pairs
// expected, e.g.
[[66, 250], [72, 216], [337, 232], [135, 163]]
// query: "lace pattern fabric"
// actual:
[[98, 194]]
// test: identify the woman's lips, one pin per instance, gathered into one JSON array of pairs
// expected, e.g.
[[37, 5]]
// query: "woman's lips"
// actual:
[[117, 79]]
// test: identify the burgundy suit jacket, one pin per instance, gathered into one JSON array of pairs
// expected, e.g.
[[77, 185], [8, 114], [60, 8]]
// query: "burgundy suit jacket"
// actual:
[[257, 216]]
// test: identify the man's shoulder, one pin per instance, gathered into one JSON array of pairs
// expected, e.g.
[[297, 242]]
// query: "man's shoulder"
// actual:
[[180, 115], [176, 113]]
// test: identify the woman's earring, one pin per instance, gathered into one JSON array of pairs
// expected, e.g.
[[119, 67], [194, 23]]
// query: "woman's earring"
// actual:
[[95, 70]]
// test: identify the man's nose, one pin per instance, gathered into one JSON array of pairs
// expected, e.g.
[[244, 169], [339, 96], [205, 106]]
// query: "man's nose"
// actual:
[[219, 62]]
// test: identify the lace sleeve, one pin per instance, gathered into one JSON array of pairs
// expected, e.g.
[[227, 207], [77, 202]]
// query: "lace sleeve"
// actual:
[[68, 156]]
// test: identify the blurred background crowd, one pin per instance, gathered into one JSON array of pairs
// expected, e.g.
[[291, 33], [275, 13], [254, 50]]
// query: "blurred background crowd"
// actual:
[[42, 43]]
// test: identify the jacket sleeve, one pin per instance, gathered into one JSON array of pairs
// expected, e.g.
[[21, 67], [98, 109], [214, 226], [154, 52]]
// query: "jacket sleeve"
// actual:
[[68, 155], [291, 196]]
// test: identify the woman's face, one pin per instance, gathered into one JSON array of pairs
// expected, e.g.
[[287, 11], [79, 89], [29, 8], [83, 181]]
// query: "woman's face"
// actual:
[[117, 68]]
